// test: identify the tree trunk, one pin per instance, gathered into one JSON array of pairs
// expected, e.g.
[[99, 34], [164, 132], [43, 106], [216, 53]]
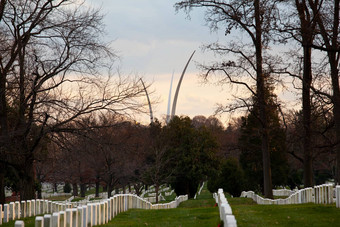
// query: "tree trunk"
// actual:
[[334, 64], [336, 109], [27, 191], [109, 190], [82, 190], [156, 192], [138, 188], [75, 189], [260, 85], [39, 190], [306, 109], [307, 29], [2, 184], [97, 187]]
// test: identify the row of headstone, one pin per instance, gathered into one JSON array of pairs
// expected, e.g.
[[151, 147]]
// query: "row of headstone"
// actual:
[[153, 199], [152, 189], [337, 196], [318, 194], [99, 213], [199, 191], [46, 195], [283, 192], [29, 208], [226, 214], [323, 194], [169, 193]]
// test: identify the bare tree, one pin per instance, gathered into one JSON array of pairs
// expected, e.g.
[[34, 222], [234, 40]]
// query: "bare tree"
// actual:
[[51, 73], [303, 32], [255, 19], [327, 17]]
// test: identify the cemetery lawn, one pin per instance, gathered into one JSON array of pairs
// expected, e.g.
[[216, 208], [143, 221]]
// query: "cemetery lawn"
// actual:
[[200, 212], [29, 222], [59, 198], [248, 213]]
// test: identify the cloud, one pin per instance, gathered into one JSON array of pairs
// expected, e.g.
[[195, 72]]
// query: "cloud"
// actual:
[[153, 40]]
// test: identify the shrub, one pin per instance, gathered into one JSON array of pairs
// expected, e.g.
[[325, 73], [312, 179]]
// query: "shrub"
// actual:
[[67, 188], [230, 178]]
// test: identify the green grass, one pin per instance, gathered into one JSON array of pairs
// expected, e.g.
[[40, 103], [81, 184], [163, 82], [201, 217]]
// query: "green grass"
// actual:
[[280, 197], [77, 199], [169, 198], [58, 198], [248, 213], [29, 222], [199, 212], [93, 191]]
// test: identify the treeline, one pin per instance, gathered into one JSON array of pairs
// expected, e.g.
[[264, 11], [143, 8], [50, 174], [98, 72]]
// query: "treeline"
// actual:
[[113, 153], [116, 153]]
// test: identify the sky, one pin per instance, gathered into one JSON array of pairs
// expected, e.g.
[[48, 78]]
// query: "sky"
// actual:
[[153, 41]]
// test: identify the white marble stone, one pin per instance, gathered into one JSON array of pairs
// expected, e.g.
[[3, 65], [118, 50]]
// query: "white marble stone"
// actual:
[[231, 221], [89, 215], [69, 218], [19, 223], [55, 220], [39, 221], [85, 213], [17, 210], [23, 209], [80, 213], [62, 218], [74, 217], [47, 220], [6, 213], [94, 214], [33, 207], [1, 214]]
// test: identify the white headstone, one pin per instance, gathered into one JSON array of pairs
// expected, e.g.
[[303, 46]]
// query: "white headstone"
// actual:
[[39, 221], [62, 218], [23, 209], [28, 208], [84, 221], [33, 207], [89, 214], [47, 220], [74, 217], [80, 217], [19, 223], [230, 221], [1, 214], [69, 218], [6, 213], [17, 210], [94, 214], [337, 196], [55, 220], [11, 211]]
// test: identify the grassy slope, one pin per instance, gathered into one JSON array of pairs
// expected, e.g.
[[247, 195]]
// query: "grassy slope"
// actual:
[[200, 212], [247, 213]]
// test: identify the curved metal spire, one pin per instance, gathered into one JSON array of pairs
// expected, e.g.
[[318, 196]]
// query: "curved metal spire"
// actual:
[[169, 99], [178, 87], [147, 96]]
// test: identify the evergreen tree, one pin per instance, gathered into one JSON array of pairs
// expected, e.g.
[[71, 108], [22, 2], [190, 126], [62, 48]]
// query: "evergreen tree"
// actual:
[[194, 151], [250, 144]]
